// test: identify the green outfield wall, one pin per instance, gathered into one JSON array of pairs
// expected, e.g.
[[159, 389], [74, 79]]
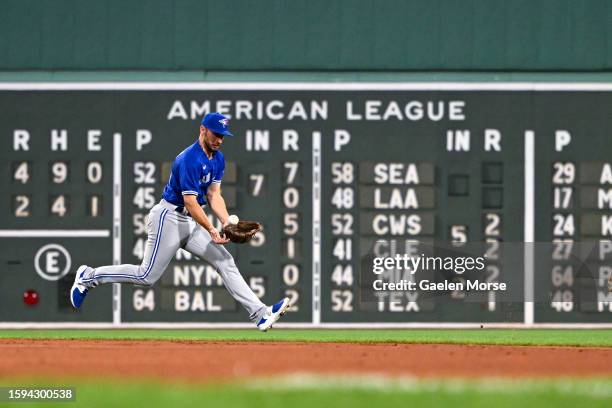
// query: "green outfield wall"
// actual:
[[322, 35]]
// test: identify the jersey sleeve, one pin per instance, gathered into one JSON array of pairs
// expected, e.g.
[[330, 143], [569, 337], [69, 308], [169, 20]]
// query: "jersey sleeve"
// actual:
[[221, 170], [189, 178]]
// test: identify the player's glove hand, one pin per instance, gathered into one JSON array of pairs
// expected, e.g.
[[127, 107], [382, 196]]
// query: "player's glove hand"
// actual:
[[242, 232]]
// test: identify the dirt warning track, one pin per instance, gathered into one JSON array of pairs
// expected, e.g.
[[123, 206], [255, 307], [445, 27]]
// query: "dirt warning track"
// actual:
[[204, 361]]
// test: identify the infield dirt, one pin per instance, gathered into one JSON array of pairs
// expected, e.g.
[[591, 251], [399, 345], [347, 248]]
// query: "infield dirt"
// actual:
[[206, 361]]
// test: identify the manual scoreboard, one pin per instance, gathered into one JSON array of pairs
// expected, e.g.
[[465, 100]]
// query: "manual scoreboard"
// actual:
[[337, 175]]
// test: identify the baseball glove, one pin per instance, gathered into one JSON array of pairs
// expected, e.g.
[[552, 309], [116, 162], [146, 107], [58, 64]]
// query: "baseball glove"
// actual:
[[242, 232]]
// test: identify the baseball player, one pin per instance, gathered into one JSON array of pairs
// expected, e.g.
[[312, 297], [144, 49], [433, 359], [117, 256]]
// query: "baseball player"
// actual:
[[179, 221]]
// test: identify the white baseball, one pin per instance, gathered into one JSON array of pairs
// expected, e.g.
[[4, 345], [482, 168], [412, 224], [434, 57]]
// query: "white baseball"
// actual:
[[233, 219]]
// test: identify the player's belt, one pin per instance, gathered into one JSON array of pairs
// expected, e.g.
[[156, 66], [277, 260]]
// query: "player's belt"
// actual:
[[178, 208], [181, 210]]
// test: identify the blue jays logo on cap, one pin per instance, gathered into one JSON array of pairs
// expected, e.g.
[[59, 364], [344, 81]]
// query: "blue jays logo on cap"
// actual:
[[217, 123]]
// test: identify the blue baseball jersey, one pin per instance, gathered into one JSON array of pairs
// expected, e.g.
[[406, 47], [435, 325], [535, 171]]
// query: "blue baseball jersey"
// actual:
[[192, 173]]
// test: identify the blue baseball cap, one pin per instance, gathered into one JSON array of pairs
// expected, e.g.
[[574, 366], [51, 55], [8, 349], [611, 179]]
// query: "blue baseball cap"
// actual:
[[217, 123]]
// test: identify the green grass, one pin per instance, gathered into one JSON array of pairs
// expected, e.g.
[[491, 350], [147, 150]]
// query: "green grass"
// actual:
[[312, 391], [340, 393], [602, 337]]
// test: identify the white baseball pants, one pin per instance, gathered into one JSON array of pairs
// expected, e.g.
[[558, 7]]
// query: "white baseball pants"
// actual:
[[169, 230]]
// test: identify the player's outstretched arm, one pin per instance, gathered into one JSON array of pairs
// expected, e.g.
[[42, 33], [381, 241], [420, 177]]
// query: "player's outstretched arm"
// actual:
[[217, 202], [198, 214]]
